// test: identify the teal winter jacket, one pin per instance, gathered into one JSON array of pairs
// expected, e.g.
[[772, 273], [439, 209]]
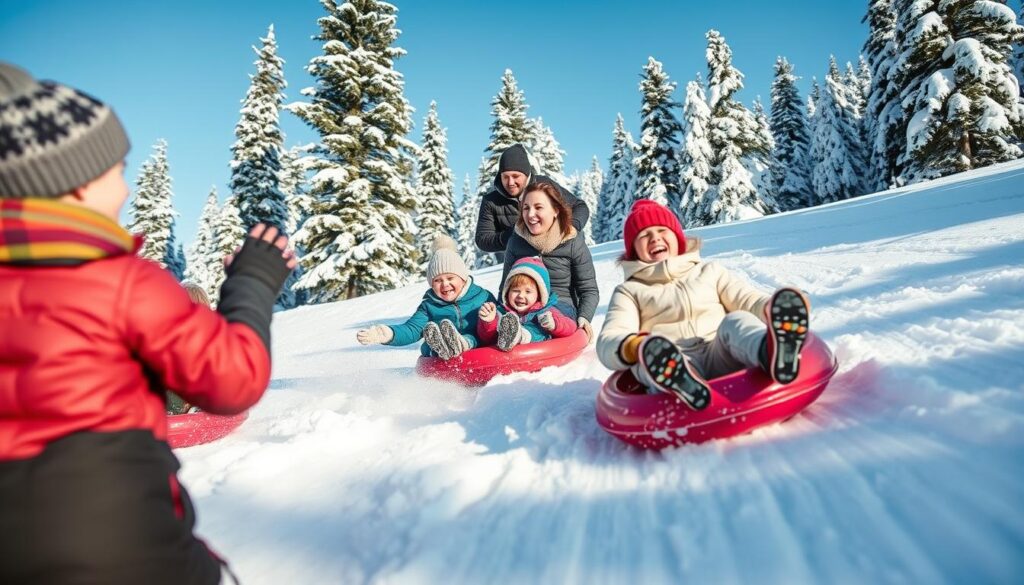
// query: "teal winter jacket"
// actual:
[[462, 312]]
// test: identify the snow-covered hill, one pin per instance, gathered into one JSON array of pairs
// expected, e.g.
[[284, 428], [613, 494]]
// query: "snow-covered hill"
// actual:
[[909, 469]]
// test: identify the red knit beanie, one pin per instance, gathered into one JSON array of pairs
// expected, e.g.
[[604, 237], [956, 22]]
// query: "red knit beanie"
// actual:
[[644, 214]]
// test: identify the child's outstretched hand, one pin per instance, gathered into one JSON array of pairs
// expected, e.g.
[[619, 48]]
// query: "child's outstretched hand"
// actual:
[[488, 311], [270, 235], [375, 334], [546, 320]]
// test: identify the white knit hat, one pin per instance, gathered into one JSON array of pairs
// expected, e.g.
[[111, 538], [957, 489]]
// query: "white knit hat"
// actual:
[[446, 259]]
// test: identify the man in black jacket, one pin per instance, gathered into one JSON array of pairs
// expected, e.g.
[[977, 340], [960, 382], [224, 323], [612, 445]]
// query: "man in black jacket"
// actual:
[[500, 207]]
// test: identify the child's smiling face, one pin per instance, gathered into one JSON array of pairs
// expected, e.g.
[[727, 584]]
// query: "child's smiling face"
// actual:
[[655, 244], [522, 296], [447, 286]]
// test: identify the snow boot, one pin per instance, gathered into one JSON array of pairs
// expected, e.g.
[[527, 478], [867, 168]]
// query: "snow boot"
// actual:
[[788, 314], [452, 338], [666, 369], [433, 338], [511, 332]]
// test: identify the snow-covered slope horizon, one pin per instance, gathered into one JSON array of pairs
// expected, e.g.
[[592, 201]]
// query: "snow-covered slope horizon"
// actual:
[[907, 470]]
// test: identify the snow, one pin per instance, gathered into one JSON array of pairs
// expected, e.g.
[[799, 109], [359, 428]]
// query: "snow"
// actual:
[[907, 469]]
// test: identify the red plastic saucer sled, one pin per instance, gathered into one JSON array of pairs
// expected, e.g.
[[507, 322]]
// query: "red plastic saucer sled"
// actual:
[[186, 430], [477, 366], [740, 402]]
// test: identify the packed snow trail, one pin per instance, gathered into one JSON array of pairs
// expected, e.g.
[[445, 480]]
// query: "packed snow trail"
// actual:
[[907, 470]]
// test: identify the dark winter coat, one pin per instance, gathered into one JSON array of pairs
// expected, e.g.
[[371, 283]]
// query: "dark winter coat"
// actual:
[[569, 265], [88, 491], [499, 213], [462, 312]]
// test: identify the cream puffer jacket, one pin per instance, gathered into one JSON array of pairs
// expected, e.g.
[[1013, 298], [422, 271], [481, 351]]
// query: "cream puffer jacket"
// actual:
[[682, 298]]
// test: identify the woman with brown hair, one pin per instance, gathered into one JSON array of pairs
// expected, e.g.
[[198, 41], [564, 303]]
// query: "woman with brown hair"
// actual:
[[545, 229]]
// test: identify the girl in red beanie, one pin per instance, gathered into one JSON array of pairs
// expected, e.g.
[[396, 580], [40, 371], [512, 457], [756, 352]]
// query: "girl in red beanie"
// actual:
[[677, 320]]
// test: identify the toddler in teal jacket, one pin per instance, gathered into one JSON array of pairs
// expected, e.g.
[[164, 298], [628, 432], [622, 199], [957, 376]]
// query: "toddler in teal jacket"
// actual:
[[447, 317]]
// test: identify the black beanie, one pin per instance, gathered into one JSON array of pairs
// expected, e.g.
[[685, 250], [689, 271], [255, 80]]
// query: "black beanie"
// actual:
[[515, 159]]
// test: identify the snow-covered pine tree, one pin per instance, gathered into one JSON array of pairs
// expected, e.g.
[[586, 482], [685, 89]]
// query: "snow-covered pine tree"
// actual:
[[230, 235], [960, 98], [813, 98], [292, 181], [697, 160], [152, 213], [361, 237], [256, 154], [884, 112], [589, 189], [841, 171], [657, 164], [293, 184], [547, 152], [205, 265], [1019, 56], [572, 182], [509, 126], [791, 171], [434, 186], [619, 189], [469, 210], [177, 264], [735, 142], [762, 159], [484, 180]]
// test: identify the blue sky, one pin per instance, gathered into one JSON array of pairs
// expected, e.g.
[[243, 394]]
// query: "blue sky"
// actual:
[[177, 70]]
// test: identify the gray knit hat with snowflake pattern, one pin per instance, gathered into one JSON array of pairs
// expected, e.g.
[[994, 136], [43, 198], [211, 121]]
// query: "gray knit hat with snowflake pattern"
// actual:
[[53, 138]]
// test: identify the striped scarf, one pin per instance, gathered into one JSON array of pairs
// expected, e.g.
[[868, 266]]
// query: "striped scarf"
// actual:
[[45, 232]]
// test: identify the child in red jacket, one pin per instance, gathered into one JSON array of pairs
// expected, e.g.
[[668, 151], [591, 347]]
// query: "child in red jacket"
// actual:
[[529, 314], [91, 336]]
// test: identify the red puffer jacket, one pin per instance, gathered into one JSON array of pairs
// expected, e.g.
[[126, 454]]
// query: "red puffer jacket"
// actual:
[[91, 348]]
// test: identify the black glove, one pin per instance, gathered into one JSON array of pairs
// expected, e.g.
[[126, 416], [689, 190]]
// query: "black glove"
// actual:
[[261, 260], [255, 278]]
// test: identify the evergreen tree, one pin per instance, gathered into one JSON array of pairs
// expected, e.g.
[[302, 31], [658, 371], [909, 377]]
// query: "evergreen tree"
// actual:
[[205, 264], [762, 159], [292, 181], [736, 142], [510, 126], [791, 171], [177, 264], [152, 213], [841, 171], [1019, 57], [589, 189], [547, 151], [813, 98], [230, 235], [469, 211], [360, 237], [434, 186], [884, 112], [960, 100], [485, 178], [697, 157], [619, 189], [657, 165], [256, 154]]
